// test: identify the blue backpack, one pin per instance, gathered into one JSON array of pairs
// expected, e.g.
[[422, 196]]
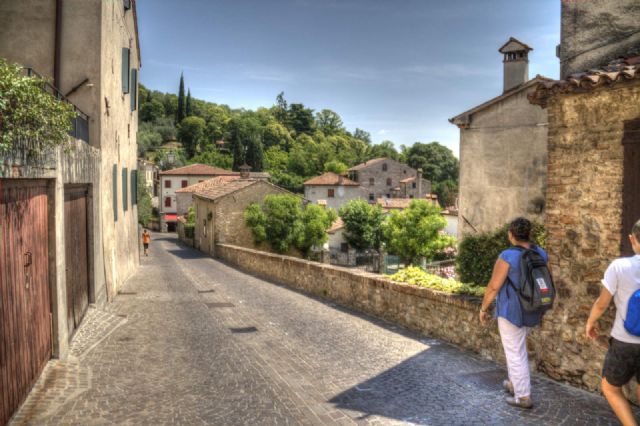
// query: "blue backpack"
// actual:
[[632, 321]]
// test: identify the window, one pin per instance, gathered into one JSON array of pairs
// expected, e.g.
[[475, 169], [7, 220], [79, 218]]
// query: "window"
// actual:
[[410, 196], [134, 187], [344, 247], [114, 191], [167, 183], [127, 5], [125, 189], [167, 201], [200, 181], [372, 181], [372, 197], [185, 183], [331, 193], [630, 182], [413, 185], [125, 70], [384, 167], [134, 89], [388, 181], [353, 176]]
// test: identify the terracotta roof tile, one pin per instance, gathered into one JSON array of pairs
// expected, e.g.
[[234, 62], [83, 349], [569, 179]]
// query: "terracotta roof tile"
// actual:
[[331, 179], [218, 191], [336, 226], [409, 179], [368, 163], [205, 170], [208, 184], [616, 71]]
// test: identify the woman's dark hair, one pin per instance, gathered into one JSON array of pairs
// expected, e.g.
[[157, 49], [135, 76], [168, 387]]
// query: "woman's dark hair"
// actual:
[[520, 228], [636, 230]]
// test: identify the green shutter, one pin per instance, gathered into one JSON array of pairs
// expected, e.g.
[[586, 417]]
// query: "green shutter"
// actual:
[[114, 189], [134, 187], [134, 89], [125, 189], [127, 5], [125, 70]]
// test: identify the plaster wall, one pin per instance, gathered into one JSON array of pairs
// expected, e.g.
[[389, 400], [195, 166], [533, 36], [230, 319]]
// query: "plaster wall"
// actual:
[[503, 162], [594, 33], [342, 194], [396, 171]]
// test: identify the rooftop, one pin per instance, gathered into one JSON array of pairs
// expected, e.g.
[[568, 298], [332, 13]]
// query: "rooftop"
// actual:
[[336, 226], [331, 179], [617, 71], [205, 170], [403, 203], [208, 184], [369, 163]]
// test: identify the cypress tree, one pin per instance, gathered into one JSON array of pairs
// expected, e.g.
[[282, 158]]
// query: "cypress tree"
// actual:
[[180, 113], [255, 155], [188, 109]]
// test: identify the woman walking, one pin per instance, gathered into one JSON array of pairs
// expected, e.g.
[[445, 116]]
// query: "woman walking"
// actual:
[[513, 322]]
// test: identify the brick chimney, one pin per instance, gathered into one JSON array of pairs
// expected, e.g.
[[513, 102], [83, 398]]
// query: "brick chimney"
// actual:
[[516, 63], [419, 183], [245, 170]]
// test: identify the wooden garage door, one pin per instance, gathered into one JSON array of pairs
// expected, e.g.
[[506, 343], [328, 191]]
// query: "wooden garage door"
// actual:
[[76, 247], [25, 310]]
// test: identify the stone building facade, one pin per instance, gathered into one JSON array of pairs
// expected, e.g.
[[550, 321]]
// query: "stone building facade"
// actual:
[[593, 181], [503, 151], [220, 212], [332, 190], [387, 178], [594, 33]]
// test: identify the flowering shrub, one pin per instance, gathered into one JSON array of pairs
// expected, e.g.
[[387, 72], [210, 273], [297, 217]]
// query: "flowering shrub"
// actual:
[[416, 276]]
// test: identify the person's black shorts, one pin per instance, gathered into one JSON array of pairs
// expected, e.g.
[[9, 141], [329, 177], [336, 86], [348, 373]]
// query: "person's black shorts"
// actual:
[[146, 246], [621, 363]]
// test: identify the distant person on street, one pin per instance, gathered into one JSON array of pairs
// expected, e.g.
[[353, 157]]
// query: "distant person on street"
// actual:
[[513, 322], [621, 283], [146, 239]]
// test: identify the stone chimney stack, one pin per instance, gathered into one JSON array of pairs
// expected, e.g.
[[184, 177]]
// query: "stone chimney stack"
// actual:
[[245, 170], [516, 63], [419, 183]]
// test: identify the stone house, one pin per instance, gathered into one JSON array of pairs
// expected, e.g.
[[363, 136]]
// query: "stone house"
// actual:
[[503, 150], [220, 212], [592, 202], [182, 177], [384, 177], [81, 239], [184, 196], [332, 190]]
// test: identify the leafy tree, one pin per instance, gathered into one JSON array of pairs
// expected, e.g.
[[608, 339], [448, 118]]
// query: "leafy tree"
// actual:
[[245, 132], [254, 154], [181, 110], [188, 107], [280, 109], [313, 232], [362, 224], [282, 223], [256, 220], [165, 128], [275, 134], [416, 232], [145, 209], [148, 138], [362, 135], [191, 134], [151, 111], [384, 149], [161, 158], [437, 161], [212, 157], [336, 167], [329, 122], [30, 118], [217, 119], [447, 192], [300, 119]]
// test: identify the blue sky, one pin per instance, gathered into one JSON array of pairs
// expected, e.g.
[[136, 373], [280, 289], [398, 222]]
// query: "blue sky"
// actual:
[[395, 68]]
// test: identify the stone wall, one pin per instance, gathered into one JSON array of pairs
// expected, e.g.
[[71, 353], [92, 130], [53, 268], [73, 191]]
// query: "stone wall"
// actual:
[[583, 217], [397, 172], [449, 317]]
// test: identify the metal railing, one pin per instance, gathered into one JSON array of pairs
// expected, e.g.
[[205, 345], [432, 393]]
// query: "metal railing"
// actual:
[[79, 124]]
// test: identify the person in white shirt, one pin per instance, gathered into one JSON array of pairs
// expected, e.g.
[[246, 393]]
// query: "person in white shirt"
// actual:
[[622, 362]]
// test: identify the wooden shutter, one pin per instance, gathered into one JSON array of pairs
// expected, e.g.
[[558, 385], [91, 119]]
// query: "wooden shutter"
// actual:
[[134, 89], [114, 189], [125, 189], [125, 70], [631, 182]]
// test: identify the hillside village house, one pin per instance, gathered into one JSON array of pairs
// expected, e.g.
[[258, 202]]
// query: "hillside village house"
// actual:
[[182, 177], [72, 215], [184, 196], [384, 177], [593, 195], [219, 211], [503, 150], [332, 190]]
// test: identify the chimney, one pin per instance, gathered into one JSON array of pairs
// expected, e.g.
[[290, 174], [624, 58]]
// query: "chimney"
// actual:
[[340, 179], [516, 63], [245, 171], [419, 183]]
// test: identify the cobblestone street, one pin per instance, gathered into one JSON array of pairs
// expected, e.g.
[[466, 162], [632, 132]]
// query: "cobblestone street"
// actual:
[[192, 341]]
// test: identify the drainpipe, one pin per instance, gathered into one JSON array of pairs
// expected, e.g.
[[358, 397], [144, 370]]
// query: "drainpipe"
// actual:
[[57, 47]]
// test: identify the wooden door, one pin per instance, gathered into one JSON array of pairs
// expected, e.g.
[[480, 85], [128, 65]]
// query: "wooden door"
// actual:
[[631, 182], [25, 309], [75, 241]]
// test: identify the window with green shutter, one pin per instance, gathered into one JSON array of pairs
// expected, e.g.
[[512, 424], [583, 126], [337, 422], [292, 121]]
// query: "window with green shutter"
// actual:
[[125, 189], [125, 69], [127, 5], [134, 187], [114, 189], [134, 89]]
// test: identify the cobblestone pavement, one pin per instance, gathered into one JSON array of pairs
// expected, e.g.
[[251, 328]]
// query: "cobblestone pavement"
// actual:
[[192, 341]]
